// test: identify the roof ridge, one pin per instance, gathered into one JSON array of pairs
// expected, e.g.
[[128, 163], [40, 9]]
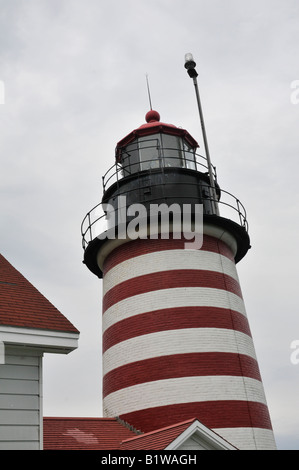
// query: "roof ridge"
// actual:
[[191, 420], [128, 426], [81, 418]]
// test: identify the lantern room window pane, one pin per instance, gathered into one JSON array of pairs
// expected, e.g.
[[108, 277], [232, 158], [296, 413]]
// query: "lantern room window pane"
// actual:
[[172, 151], [130, 159], [189, 153], [149, 152]]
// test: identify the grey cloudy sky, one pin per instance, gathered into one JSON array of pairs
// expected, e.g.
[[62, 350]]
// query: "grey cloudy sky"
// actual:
[[74, 77]]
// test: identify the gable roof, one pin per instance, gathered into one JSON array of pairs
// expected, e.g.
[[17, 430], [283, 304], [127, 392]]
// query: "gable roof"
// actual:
[[84, 433], [22, 305], [158, 439], [113, 434], [201, 437]]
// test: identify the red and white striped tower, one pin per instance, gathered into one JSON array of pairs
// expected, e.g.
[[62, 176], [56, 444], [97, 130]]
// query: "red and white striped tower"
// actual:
[[176, 339]]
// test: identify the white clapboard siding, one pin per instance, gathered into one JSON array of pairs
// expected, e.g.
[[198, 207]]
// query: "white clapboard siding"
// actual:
[[20, 400]]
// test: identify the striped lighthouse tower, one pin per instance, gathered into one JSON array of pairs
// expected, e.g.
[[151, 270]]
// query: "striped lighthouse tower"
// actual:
[[176, 338]]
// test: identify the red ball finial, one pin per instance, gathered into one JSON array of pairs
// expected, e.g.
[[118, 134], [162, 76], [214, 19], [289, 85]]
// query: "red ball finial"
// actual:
[[152, 116]]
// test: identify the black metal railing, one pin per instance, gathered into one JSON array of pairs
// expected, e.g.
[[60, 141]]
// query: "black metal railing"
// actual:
[[98, 220], [160, 158]]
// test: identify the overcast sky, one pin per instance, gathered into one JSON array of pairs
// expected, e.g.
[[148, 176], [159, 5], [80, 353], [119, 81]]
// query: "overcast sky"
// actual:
[[73, 72]]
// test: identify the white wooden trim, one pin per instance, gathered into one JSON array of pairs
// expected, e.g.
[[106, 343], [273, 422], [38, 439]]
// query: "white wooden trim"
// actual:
[[41, 401], [46, 340], [209, 437], [2, 352]]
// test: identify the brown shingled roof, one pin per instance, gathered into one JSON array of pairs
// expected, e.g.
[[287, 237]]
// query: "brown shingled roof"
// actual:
[[22, 305]]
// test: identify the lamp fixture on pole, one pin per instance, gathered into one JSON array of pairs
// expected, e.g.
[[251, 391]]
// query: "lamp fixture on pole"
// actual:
[[190, 65]]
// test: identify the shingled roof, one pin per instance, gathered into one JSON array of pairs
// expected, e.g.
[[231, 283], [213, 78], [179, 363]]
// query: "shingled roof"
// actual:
[[84, 433], [158, 439], [22, 305], [105, 434], [112, 434]]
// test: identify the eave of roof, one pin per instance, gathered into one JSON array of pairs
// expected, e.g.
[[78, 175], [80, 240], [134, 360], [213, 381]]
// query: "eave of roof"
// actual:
[[45, 341]]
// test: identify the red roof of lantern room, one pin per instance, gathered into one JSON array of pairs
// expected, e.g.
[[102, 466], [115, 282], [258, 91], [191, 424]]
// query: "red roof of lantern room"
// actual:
[[22, 305], [152, 126]]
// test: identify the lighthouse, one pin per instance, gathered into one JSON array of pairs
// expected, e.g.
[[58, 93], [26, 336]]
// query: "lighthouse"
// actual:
[[165, 240]]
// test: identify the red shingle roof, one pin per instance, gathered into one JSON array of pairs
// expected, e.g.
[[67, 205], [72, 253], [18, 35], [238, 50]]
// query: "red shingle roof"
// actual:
[[22, 305], [158, 439], [105, 434], [84, 433]]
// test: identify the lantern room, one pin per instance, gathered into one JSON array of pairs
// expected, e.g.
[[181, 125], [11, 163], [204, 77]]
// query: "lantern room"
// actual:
[[156, 145]]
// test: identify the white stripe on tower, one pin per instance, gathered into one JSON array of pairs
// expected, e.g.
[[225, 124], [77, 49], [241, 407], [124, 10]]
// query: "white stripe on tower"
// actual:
[[174, 259], [179, 341], [172, 298], [176, 340]]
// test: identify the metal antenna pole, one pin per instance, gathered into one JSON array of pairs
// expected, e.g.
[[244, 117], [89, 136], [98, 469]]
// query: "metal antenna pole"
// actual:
[[190, 66], [148, 91]]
